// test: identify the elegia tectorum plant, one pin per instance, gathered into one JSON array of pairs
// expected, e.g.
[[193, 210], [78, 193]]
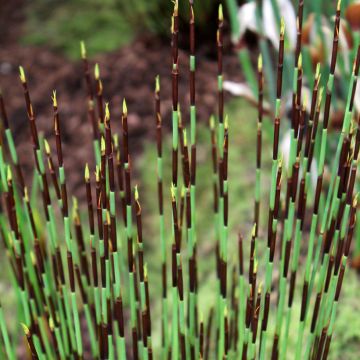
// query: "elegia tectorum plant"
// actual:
[[83, 287]]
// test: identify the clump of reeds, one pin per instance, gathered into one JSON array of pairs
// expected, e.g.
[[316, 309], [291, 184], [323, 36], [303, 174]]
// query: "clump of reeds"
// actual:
[[313, 31], [83, 286]]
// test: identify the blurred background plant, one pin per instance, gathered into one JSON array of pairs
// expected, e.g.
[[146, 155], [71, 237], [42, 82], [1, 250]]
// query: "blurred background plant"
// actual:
[[109, 24], [257, 23]]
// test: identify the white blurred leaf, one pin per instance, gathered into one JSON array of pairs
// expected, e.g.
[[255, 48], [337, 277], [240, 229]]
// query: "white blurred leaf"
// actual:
[[270, 27], [247, 18], [243, 90], [247, 21], [238, 89]]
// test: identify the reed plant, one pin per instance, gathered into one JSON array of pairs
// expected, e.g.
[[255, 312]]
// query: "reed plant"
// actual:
[[311, 27], [83, 286]]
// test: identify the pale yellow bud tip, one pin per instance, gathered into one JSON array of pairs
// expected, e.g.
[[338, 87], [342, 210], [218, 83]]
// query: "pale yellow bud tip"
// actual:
[[116, 140], [253, 231], [136, 193], [102, 145], [145, 271], [355, 200], [107, 112], [26, 329], [226, 122], [192, 15], [176, 7], [221, 13], [300, 61], [83, 49], [305, 101], [172, 28], [87, 172], [9, 174], [54, 98], [124, 107], [97, 71], [22, 74], [212, 122], [185, 137], [32, 256], [26, 194], [260, 62], [282, 27], [157, 83], [75, 204], [47, 147], [338, 5]]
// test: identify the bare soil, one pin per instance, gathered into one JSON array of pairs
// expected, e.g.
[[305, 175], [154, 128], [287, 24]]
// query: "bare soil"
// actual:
[[128, 72]]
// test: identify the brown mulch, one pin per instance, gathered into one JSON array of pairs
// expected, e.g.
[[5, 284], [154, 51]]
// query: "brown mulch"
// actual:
[[128, 72]]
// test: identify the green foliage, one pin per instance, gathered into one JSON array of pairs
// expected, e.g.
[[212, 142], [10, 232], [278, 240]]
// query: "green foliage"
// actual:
[[345, 334], [241, 183], [62, 24], [303, 269], [103, 24], [241, 165]]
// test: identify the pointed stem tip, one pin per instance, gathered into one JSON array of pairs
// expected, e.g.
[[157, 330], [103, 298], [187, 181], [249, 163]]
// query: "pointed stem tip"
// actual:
[[260, 62], [22, 74], [136, 193], [338, 5], [157, 83], [87, 172], [47, 147], [282, 27], [54, 98], [125, 111], [97, 71], [83, 49], [221, 13], [107, 112], [299, 61]]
